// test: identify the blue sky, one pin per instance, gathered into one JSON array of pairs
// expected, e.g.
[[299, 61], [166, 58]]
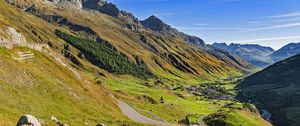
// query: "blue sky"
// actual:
[[267, 22]]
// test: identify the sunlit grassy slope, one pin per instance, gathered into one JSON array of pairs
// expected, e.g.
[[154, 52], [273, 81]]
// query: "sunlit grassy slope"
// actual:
[[235, 118], [41, 87]]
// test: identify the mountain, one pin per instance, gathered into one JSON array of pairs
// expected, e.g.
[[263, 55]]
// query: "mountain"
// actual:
[[160, 47], [78, 60], [286, 51], [255, 54], [157, 25], [276, 89]]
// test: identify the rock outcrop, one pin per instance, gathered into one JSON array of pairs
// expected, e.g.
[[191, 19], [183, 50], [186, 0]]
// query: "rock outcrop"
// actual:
[[28, 120], [11, 37], [58, 123]]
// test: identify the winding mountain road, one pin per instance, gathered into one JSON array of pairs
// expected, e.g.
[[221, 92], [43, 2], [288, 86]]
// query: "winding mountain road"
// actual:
[[134, 115]]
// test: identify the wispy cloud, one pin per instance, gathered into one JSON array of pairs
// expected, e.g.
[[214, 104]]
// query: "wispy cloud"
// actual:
[[270, 39], [210, 28], [289, 25], [163, 14], [287, 20], [295, 14], [132, 1]]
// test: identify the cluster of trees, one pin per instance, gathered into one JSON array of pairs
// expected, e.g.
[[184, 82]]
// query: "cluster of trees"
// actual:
[[105, 57]]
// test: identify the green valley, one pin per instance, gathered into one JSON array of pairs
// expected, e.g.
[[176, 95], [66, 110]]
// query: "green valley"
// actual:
[[88, 63]]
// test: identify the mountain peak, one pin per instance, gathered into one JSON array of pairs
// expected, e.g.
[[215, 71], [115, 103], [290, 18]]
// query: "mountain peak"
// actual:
[[153, 17], [157, 25], [289, 50], [153, 20]]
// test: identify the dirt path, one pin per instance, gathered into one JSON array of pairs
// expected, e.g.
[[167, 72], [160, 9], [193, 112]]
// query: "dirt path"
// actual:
[[201, 122], [134, 115]]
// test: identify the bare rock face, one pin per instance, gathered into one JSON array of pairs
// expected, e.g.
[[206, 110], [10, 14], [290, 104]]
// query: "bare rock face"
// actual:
[[111, 9], [102, 6], [28, 120], [75, 3], [54, 1], [11, 36]]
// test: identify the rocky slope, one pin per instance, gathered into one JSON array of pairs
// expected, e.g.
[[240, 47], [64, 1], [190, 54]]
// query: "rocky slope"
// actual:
[[157, 25], [157, 49], [276, 89], [286, 51], [254, 54]]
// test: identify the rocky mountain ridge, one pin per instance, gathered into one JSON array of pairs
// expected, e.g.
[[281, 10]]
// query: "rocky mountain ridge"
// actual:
[[147, 39], [258, 55], [253, 53]]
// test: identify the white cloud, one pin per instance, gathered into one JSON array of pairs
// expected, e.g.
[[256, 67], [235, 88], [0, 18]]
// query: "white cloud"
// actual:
[[201, 24], [254, 22]]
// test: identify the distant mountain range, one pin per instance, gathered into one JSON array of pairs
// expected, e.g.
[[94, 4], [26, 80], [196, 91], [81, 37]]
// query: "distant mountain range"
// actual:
[[253, 53], [276, 89], [258, 55]]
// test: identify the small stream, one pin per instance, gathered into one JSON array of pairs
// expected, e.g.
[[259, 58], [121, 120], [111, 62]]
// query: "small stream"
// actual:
[[265, 114]]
